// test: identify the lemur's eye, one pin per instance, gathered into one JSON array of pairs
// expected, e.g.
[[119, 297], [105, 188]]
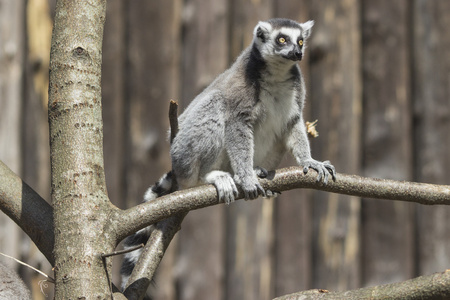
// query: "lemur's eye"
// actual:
[[300, 42], [282, 40]]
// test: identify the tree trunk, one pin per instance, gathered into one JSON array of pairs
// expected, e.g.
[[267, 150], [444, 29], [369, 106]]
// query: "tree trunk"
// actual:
[[79, 196]]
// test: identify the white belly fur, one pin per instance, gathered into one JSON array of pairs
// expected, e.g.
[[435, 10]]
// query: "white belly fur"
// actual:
[[277, 108]]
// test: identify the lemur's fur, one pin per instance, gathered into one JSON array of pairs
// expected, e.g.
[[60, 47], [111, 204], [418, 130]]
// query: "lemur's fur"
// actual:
[[242, 123]]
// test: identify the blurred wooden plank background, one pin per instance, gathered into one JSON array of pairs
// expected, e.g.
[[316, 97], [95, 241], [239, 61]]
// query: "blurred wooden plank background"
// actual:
[[377, 72]]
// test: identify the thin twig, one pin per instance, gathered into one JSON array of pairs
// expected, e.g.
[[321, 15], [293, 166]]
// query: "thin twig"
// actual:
[[105, 255], [105, 266], [33, 268], [122, 251]]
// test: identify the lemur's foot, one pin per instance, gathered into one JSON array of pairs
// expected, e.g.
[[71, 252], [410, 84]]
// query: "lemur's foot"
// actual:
[[225, 186]]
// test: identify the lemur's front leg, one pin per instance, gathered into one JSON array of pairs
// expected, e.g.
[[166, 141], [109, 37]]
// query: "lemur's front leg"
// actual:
[[239, 147], [298, 144]]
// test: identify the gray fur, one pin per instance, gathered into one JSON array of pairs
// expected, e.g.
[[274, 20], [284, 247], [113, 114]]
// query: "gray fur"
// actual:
[[249, 116], [243, 123]]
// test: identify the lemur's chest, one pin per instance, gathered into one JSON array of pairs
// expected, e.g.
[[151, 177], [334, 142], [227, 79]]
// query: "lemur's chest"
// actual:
[[277, 106]]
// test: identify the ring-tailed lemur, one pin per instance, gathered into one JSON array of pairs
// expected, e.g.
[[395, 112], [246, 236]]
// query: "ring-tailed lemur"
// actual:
[[249, 116]]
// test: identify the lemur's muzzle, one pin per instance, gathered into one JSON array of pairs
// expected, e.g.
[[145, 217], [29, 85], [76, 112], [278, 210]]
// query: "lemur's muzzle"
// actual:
[[295, 55]]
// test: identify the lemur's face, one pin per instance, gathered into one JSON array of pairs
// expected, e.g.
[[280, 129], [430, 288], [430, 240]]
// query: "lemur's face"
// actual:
[[282, 38], [288, 43]]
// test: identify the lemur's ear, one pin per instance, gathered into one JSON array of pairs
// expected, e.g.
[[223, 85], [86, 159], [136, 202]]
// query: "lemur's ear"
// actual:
[[262, 30], [307, 26]]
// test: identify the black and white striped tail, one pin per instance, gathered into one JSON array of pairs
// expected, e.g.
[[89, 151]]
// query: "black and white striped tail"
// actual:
[[165, 185]]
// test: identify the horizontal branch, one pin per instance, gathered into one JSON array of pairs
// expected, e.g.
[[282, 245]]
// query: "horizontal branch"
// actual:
[[28, 210], [126, 222], [365, 187], [436, 286]]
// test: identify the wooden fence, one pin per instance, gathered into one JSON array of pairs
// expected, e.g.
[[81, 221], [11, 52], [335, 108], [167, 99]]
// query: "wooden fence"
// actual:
[[378, 76]]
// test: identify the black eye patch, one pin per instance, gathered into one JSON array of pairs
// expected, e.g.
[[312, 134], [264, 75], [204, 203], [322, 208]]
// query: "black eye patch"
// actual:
[[282, 39]]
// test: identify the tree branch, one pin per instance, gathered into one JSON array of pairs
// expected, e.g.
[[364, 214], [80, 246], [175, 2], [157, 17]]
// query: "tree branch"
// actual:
[[178, 204], [129, 221], [160, 238], [436, 286], [25, 207], [152, 255], [280, 180], [423, 193]]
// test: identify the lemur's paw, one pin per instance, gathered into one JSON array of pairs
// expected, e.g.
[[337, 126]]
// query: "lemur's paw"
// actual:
[[261, 172], [251, 187], [324, 169], [253, 191], [225, 186]]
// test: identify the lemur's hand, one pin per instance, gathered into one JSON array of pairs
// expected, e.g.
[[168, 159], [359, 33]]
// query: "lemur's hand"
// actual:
[[324, 169]]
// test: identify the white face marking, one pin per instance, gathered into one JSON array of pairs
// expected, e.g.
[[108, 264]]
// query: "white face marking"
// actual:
[[271, 51], [292, 33]]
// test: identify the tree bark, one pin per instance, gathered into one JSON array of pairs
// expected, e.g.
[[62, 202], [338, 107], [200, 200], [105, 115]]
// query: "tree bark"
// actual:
[[28, 210], [152, 254], [129, 221], [79, 196], [436, 287]]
